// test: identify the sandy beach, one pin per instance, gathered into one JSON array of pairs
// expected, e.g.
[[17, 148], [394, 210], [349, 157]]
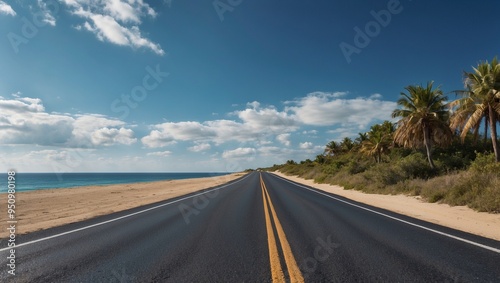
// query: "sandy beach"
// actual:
[[43, 209], [456, 217]]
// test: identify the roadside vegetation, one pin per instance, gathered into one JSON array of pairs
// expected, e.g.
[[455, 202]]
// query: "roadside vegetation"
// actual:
[[443, 152]]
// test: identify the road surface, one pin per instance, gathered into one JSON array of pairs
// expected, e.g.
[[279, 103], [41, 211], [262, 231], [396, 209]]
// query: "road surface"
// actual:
[[259, 228]]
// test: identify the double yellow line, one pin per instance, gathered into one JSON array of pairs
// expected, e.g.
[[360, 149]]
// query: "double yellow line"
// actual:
[[276, 269]]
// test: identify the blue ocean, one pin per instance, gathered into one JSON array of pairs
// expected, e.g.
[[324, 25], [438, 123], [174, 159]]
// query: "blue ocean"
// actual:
[[40, 181]]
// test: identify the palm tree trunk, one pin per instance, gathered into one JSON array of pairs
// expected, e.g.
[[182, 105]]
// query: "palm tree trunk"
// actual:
[[428, 147], [476, 135], [485, 130], [493, 126]]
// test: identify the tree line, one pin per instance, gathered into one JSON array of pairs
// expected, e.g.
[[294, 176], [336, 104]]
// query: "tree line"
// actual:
[[428, 120]]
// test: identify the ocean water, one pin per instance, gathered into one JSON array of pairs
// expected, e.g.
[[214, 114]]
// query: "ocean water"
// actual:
[[40, 181]]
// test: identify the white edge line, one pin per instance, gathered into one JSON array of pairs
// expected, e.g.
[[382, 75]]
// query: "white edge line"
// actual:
[[119, 218], [395, 218]]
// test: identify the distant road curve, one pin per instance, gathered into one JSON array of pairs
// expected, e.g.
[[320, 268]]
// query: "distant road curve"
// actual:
[[259, 228]]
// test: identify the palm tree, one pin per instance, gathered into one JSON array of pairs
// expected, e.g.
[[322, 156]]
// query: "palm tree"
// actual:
[[358, 142], [332, 148], [361, 137], [378, 141], [347, 145], [463, 108], [424, 119], [320, 158], [480, 102]]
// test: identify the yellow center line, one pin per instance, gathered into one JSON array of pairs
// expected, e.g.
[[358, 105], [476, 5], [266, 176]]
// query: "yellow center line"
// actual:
[[293, 268], [276, 271]]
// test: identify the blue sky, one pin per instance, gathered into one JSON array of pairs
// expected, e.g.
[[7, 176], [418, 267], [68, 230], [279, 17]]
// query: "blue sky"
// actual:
[[225, 85]]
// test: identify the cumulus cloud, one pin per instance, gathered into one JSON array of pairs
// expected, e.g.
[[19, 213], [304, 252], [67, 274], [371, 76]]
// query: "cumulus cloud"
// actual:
[[110, 136], [200, 147], [6, 9], [115, 21], [269, 119], [310, 132], [284, 139], [23, 120], [255, 124], [47, 16], [306, 145], [241, 152], [328, 109], [98, 130], [160, 153], [375, 96]]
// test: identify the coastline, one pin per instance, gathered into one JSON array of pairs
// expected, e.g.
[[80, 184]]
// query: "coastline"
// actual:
[[26, 181], [47, 208], [457, 217]]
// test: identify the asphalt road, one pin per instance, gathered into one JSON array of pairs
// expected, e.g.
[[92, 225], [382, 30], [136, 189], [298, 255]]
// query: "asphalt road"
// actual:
[[259, 228]]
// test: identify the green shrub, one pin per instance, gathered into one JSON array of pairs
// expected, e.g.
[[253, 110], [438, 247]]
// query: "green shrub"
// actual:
[[408, 172], [416, 166], [485, 163], [356, 167]]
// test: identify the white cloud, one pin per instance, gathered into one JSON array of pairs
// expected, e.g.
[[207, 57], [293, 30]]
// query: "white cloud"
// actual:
[[306, 145], [115, 21], [160, 153], [254, 104], [6, 9], [311, 132], [260, 124], [241, 152], [255, 125], [268, 119], [284, 139], [98, 130], [375, 96], [110, 136], [48, 18], [157, 138], [23, 120], [200, 147], [327, 109]]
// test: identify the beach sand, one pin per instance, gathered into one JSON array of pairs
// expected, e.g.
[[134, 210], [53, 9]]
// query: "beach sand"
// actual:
[[42, 209], [456, 217]]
